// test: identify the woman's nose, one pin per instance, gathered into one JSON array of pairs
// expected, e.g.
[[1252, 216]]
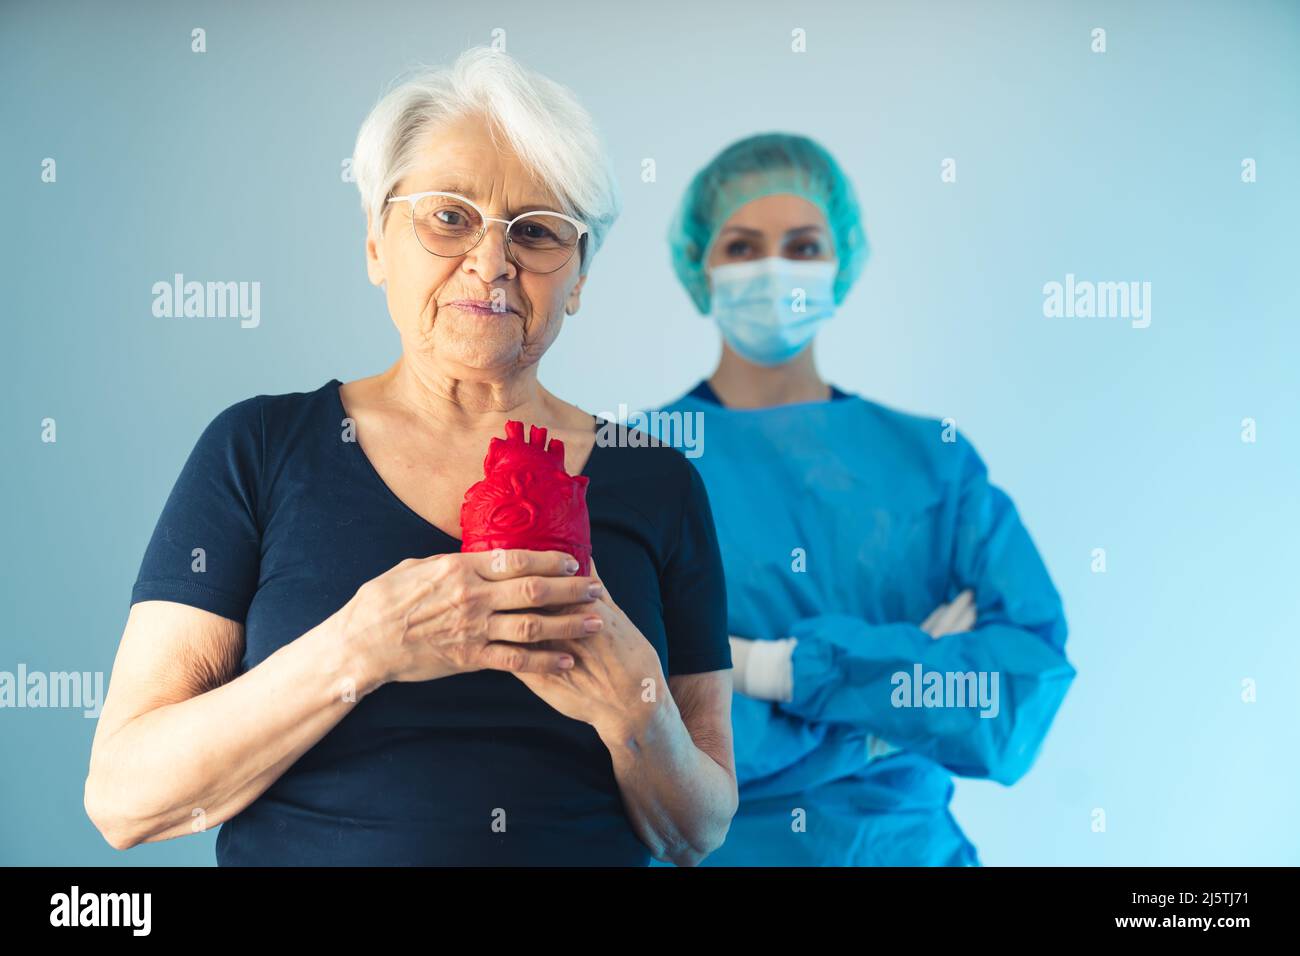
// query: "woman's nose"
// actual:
[[488, 259]]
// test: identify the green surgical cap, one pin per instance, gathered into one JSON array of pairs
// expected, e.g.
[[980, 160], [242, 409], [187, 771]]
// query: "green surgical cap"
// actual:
[[749, 169]]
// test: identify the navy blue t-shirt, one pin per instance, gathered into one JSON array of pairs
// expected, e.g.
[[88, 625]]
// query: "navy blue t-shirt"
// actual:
[[293, 519], [704, 391]]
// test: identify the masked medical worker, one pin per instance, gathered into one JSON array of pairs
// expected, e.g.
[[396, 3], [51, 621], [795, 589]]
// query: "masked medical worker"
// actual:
[[891, 621]]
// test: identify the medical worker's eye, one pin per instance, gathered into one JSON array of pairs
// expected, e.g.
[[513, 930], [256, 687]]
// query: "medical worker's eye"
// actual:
[[804, 249], [739, 249]]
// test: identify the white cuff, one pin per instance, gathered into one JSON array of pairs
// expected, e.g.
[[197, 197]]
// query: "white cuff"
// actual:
[[766, 670]]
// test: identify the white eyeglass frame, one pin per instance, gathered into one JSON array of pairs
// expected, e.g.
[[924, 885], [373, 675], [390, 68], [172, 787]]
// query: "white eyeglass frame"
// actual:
[[413, 198]]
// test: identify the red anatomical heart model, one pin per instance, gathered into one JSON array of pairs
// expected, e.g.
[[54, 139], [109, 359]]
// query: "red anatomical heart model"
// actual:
[[527, 500]]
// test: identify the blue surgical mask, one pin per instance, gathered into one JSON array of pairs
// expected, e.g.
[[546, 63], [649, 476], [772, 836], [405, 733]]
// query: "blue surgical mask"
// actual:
[[769, 309]]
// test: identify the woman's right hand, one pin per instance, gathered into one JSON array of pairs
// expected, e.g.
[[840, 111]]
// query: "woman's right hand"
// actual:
[[454, 613]]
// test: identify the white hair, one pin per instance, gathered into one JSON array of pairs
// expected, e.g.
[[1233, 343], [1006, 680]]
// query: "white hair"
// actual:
[[542, 121]]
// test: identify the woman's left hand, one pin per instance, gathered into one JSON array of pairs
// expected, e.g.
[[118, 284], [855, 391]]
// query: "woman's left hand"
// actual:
[[612, 668]]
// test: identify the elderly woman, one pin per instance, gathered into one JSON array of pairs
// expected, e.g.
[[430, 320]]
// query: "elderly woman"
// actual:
[[309, 658], [880, 532]]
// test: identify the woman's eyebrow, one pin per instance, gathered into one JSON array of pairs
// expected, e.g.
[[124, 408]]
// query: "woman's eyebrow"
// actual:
[[450, 186], [532, 207], [812, 227], [469, 193]]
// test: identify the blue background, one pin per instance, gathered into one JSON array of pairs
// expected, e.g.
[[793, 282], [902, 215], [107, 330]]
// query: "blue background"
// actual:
[[1120, 166]]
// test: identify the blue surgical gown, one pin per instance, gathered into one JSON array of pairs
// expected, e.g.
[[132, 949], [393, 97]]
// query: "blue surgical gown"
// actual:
[[844, 524]]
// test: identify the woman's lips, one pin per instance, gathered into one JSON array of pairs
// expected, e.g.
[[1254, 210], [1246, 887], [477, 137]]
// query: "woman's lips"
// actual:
[[479, 308]]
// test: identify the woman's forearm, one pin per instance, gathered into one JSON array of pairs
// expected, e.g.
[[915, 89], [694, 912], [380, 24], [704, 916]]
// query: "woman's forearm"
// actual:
[[207, 758], [679, 799]]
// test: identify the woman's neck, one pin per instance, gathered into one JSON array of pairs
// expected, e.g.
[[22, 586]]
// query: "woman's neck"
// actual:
[[739, 383], [445, 400]]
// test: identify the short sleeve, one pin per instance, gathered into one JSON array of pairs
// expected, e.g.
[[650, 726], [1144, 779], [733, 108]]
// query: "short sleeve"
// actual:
[[206, 548], [693, 588]]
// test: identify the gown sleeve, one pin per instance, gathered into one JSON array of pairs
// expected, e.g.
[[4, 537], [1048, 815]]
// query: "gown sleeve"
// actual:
[[844, 667]]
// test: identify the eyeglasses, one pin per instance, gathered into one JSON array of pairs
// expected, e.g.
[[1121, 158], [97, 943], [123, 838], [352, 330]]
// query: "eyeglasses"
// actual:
[[449, 225]]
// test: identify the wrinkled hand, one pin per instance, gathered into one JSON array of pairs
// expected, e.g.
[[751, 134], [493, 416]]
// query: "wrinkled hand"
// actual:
[[605, 685], [428, 618]]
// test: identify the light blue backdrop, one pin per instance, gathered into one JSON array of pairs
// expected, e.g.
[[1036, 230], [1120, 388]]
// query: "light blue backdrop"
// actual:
[[1115, 166]]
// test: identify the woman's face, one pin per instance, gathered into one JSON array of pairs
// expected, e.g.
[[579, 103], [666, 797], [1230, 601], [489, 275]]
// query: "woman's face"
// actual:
[[779, 225], [460, 157]]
